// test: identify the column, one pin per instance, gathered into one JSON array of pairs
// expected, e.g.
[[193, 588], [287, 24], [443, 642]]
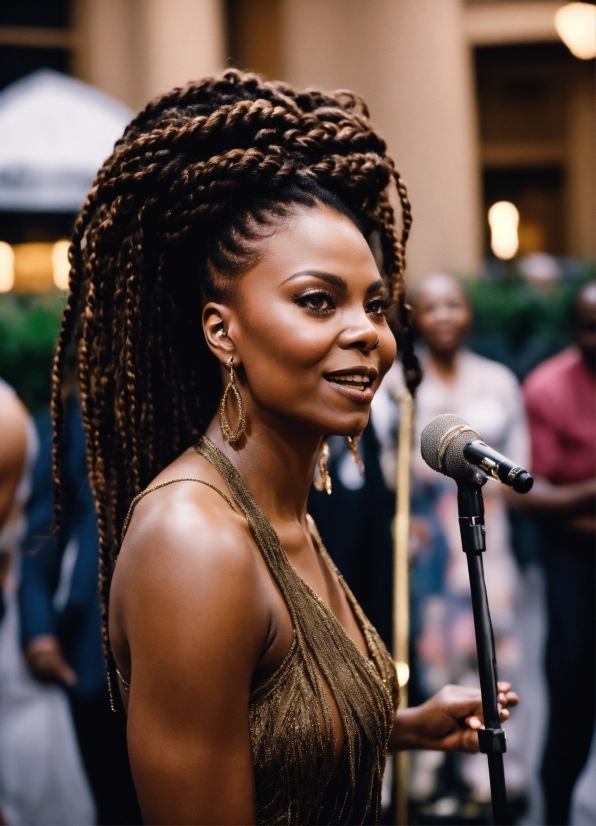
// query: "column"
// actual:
[[411, 62], [137, 49], [184, 41], [581, 152]]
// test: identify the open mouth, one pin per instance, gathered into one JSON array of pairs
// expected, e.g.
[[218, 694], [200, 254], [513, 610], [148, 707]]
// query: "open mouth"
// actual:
[[357, 382]]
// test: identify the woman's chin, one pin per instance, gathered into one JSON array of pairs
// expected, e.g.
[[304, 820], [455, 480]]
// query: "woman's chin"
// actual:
[[348, 427], [444, 347]]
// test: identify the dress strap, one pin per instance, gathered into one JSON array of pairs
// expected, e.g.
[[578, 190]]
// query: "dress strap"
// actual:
[[143, 493], [125, 684]]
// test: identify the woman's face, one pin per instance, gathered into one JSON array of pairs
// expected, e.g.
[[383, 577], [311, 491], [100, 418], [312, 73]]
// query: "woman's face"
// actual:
[[306, 326], [442, 314]]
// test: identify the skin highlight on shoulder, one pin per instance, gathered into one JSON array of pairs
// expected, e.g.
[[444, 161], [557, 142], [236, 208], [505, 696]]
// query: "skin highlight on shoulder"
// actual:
[[185, 548]]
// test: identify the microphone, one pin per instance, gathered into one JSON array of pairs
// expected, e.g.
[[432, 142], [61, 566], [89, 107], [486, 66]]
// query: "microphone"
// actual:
[[450, 446]]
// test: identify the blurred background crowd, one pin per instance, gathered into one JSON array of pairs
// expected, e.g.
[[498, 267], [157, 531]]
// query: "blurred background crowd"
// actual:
[[488, 107]]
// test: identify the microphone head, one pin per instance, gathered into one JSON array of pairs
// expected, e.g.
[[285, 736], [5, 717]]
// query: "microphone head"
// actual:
[[442, 445]]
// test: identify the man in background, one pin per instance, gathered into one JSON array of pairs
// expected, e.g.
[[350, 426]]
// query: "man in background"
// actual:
[[560, 398]]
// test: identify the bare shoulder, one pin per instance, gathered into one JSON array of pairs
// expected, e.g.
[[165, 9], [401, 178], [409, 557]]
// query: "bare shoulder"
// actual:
[[13, 448], [13, 426], [11, 407], [188, 572], [187, 520]]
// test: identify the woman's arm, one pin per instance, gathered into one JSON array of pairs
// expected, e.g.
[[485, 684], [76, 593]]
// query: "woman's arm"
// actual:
[[186, 592], [448, 721]]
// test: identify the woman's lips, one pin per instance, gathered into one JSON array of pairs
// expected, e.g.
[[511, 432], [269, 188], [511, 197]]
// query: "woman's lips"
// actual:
[[362, 393]]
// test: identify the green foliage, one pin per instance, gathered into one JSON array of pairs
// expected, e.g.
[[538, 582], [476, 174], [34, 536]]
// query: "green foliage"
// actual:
[[29, 328], [521, 311], [519, 326]]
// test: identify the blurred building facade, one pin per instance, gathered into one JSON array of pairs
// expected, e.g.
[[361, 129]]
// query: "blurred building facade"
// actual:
[[478, 99]]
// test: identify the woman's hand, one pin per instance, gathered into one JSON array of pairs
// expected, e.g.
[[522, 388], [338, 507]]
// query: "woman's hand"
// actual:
[[448, 721]]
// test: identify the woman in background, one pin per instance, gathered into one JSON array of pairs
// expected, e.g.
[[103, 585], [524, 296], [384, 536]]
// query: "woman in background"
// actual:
[[487, 395]]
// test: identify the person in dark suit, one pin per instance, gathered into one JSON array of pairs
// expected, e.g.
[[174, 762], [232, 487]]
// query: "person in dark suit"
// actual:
[[355, 525], [60, 615]]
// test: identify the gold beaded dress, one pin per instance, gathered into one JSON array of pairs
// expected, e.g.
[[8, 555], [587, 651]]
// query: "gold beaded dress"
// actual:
[[298, 778]]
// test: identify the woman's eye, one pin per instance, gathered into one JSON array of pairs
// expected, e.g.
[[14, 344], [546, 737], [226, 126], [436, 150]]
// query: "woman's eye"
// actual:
[[318, 302], [377, 307]]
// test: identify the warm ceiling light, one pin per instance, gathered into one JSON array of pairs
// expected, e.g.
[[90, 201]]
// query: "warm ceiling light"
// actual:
[[576, 26], [60, 265], [503, 219], [6, 267]]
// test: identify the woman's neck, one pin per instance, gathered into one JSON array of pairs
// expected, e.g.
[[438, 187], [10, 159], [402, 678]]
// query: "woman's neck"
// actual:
[[444, 364], [278, 470]]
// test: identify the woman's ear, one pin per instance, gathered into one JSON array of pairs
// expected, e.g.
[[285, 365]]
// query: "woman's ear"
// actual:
[[216, 326]]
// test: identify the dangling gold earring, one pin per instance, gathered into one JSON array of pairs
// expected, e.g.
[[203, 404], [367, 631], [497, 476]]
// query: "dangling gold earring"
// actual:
[[353, 442], [323, 480], [230, 435]]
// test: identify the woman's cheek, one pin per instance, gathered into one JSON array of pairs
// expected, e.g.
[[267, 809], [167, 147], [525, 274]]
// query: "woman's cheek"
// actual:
[[287, 332], [302, 345]]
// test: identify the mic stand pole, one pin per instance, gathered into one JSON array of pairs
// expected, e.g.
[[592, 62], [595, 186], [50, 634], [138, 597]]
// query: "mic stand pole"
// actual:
[[401, 591], [492, 737]]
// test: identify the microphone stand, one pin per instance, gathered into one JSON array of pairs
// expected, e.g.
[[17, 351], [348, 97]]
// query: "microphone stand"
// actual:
[[492, 738]]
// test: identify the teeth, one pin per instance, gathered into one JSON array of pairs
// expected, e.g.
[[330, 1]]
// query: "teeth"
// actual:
[[355, 378]]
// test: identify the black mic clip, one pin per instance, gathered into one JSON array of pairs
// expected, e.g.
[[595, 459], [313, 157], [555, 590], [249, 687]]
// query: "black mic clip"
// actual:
[[476, 475]]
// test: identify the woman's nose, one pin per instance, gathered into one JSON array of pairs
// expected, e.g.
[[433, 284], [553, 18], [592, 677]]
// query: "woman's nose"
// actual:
[[360, 335], [441, 313]]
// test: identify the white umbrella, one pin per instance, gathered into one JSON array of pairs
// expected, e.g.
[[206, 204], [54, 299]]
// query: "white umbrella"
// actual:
[[55, 133]]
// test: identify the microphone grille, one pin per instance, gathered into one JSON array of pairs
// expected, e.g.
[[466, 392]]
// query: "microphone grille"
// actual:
[[442, 444]]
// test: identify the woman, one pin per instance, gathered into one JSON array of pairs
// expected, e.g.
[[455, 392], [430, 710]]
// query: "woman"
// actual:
[[224, 245]]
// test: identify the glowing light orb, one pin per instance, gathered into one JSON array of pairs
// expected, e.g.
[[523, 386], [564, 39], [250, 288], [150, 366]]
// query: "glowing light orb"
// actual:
[[503, 219], [6, 267], [576, 26], [60, 265]]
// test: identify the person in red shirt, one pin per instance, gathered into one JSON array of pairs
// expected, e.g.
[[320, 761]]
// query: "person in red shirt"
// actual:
[[560, 397]]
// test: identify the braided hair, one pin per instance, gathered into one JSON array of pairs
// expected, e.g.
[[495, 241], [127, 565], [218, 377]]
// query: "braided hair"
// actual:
[[169, 222]]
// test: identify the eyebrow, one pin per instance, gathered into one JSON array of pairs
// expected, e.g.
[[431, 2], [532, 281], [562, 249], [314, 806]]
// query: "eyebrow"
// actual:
[[334, 280]]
